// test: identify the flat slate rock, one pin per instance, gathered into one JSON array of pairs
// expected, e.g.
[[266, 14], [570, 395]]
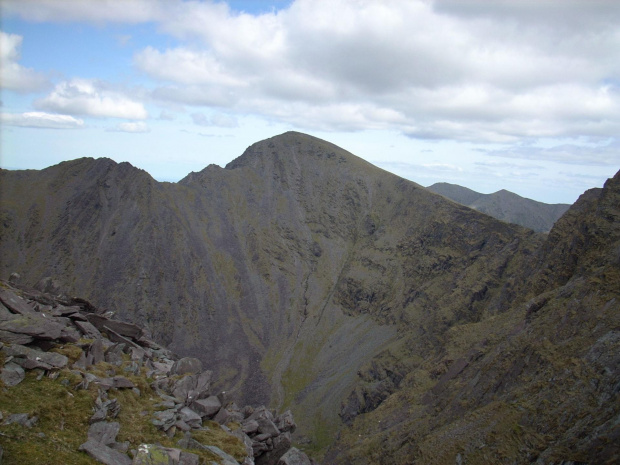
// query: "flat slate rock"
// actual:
[[51, 358], [15, 338], [87, 329], [120, 327], [34, 325], [151, 454], [15, 303], [105, 454]]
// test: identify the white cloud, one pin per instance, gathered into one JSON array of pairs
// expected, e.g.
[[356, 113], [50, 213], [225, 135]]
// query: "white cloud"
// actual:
[[135, 127], [185, 67], [13, 76], [217, 120], [430, 70], [480, 71], [91, 98], [37, 119], [97, 11]]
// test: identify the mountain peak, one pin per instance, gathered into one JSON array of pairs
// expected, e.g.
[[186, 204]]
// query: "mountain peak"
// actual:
[[292, 145]]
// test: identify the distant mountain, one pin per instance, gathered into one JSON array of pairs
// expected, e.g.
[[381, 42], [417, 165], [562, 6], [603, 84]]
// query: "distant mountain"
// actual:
[[505, 205], [397, 325]]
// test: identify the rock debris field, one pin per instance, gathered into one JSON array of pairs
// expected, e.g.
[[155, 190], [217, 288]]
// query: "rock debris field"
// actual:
[[57, 338]]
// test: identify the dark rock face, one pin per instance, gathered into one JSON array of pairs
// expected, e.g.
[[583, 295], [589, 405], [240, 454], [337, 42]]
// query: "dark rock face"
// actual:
[[535, 369], [347, 290]]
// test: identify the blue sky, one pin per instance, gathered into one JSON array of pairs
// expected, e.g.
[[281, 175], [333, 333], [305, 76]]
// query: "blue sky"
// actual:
[[513, 95]]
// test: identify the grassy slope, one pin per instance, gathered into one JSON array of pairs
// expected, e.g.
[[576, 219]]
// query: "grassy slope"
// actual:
[[64, 415]]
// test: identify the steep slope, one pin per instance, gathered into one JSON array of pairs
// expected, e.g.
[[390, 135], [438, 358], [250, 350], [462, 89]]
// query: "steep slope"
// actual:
[[535, 384], [505, 206], [291, 268]]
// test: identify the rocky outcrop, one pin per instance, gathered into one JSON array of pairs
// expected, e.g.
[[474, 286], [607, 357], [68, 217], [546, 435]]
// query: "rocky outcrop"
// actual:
[[187, 399]]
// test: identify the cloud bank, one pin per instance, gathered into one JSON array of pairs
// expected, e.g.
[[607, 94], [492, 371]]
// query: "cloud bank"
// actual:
[[90, 98], [13, 76], [37, 119]]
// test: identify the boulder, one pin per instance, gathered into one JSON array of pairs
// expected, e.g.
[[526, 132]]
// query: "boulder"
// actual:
[[120, 382], [294, 457], [105, 409], [96, 351], [87, 329], [69, 334], [190, 417], [14, 278], [165, 419], [228, 414], [114, 354], [249, 426], [266, 426], [104, 432], [48, 285], [105, 454], [186, 365], [81, 364], [286, 422], [206, 407], [281, 444], [163, 367], [137, 354], [192, 387], [12, 374], [261, 412]]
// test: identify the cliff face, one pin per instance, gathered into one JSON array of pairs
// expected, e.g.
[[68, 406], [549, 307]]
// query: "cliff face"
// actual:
[[303, 276], [535, 384]]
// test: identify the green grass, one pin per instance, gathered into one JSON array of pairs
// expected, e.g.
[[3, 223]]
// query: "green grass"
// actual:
[[64, 415]]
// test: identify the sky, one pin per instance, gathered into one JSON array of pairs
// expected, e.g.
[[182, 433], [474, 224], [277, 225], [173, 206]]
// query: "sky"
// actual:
[[522, 95]]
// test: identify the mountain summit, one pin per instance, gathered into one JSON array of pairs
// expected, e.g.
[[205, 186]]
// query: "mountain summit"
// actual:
[[306, 278]]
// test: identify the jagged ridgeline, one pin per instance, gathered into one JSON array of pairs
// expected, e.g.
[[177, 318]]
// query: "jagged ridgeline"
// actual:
[[308, 279]]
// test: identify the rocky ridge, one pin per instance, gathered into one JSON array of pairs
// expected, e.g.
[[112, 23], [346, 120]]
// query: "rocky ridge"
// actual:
[[46, 335], [505, 205]]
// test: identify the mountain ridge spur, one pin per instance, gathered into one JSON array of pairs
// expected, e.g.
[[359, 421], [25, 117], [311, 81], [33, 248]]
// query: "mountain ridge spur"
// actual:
[[505, 205]]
